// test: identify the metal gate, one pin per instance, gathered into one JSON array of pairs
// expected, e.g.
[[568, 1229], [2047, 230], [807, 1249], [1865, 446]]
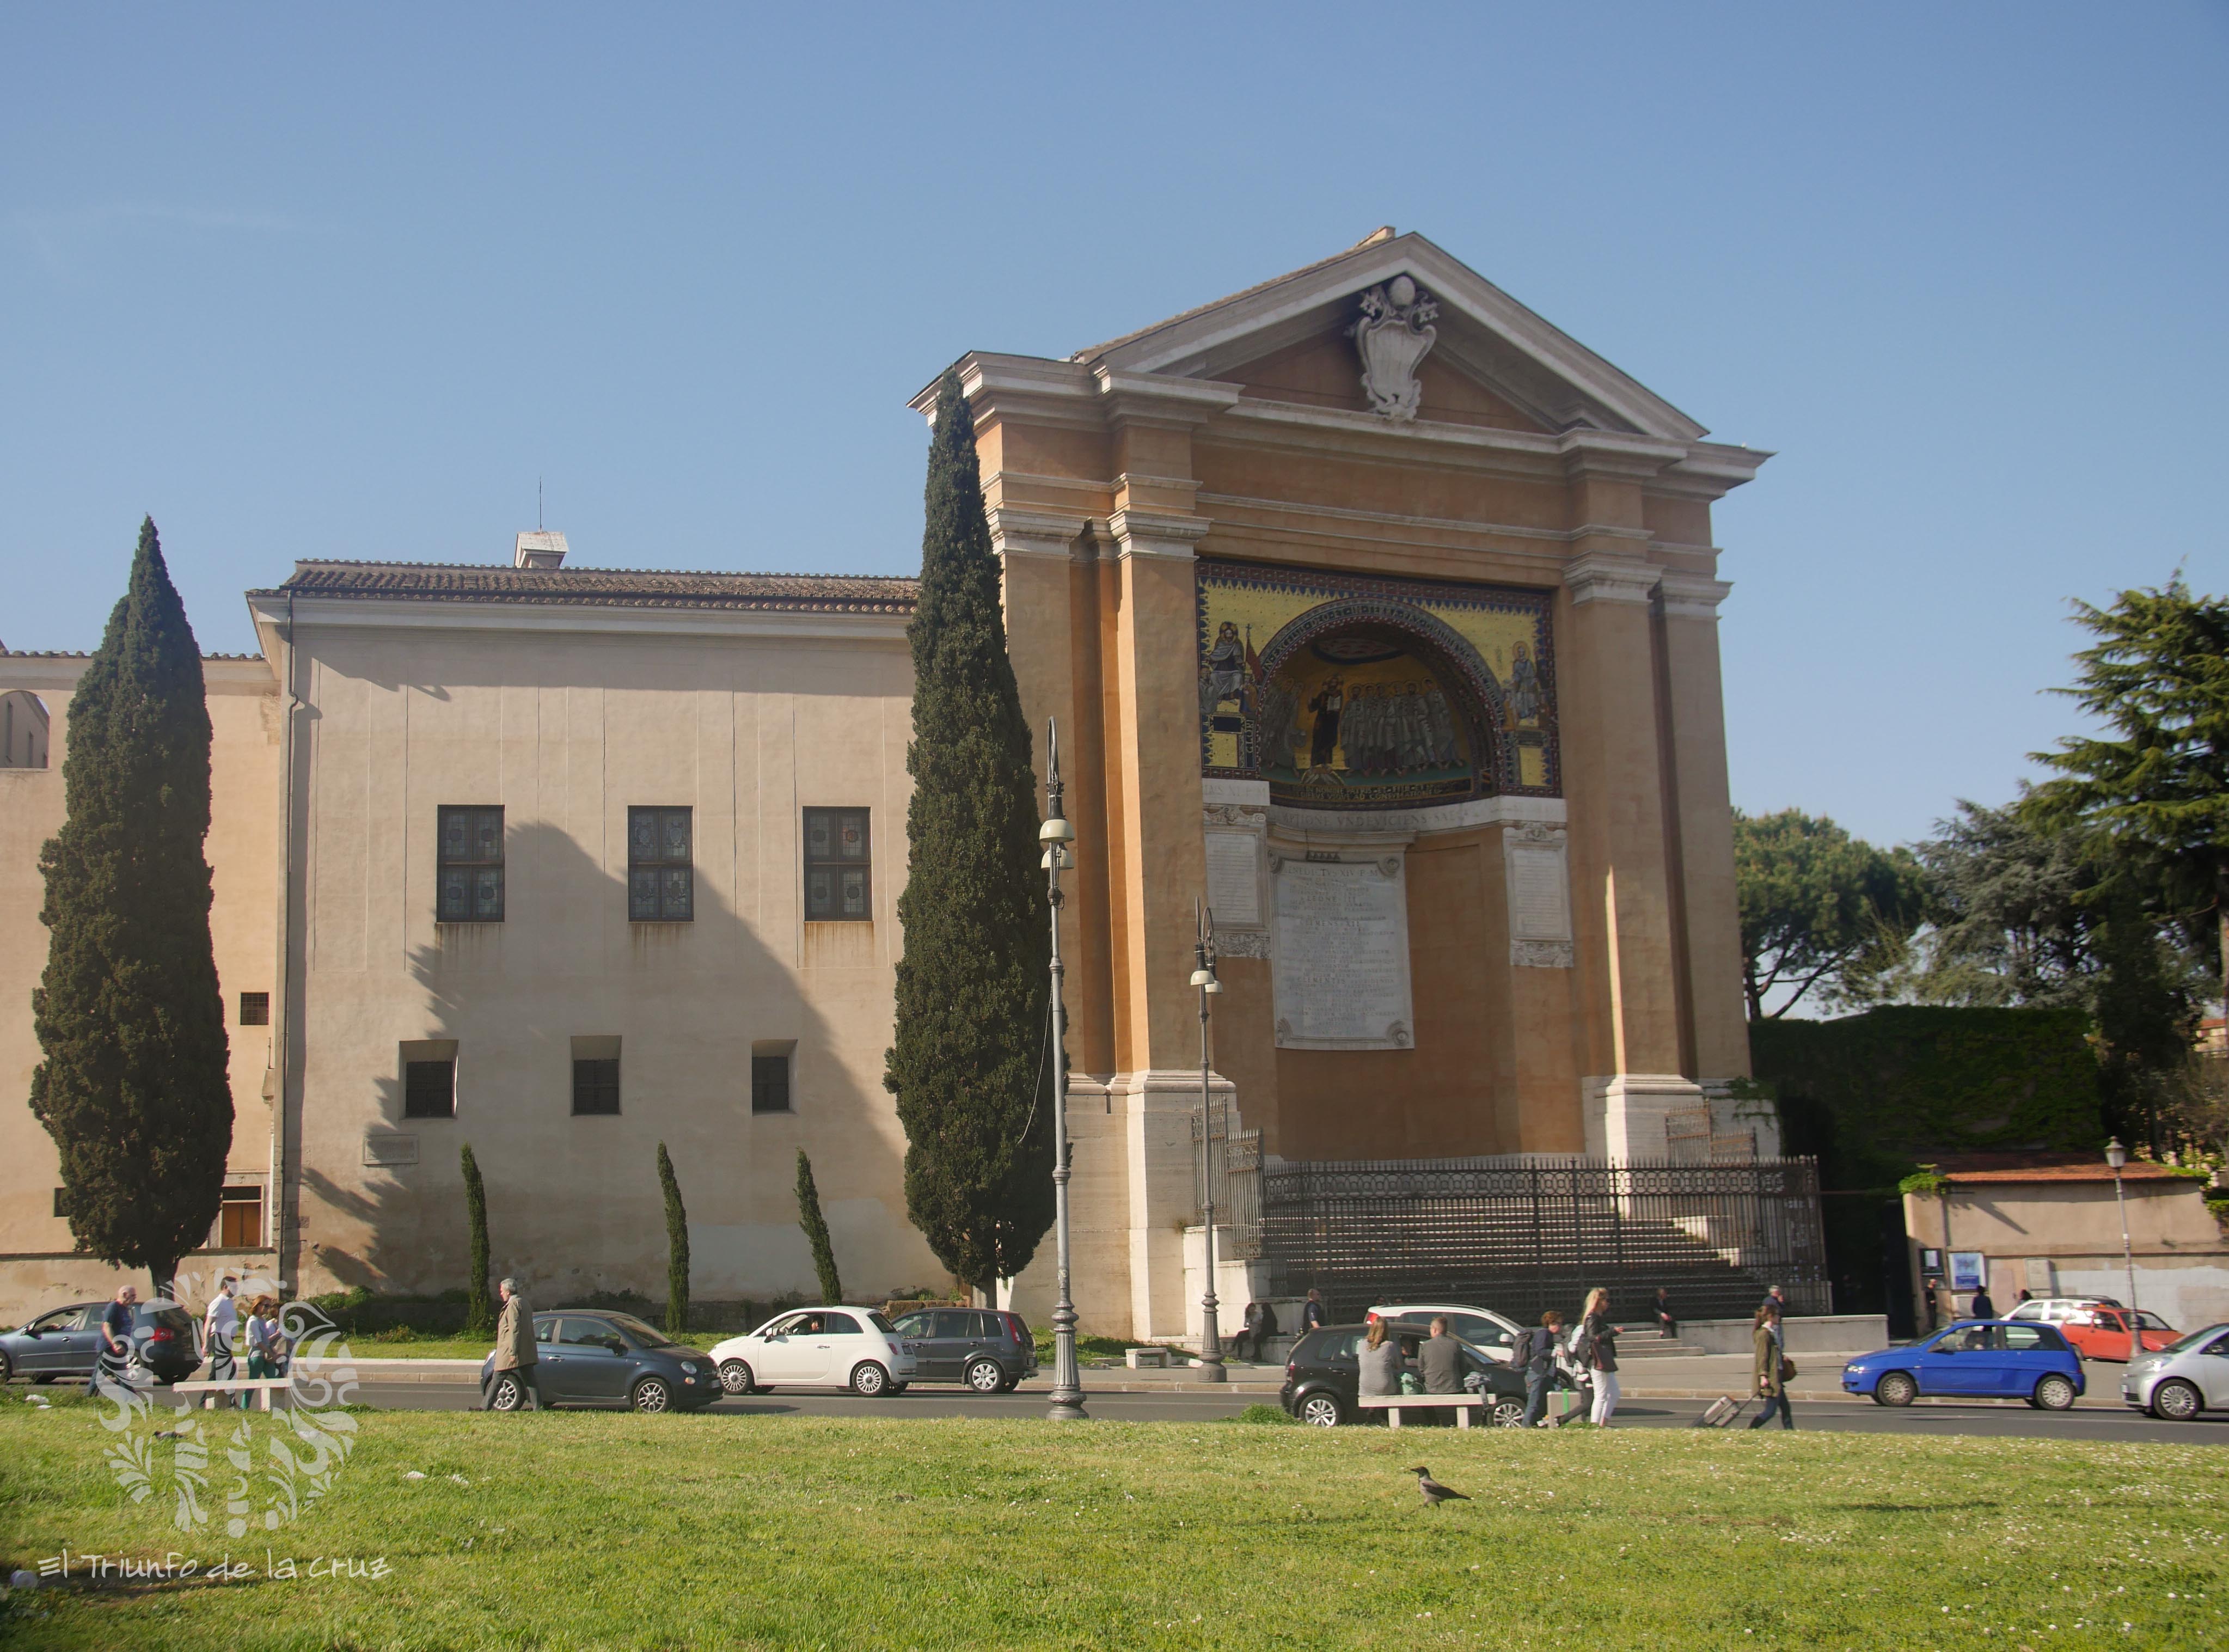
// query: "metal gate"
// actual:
[[1520, 1237], [1235, 1166]]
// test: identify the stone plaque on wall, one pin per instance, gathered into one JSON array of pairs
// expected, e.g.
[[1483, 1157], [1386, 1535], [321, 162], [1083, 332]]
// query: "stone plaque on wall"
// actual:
[[1341, 955], [1234, 878], [1539, 897]]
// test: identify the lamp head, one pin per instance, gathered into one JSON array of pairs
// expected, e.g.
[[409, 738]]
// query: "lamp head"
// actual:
[[1057, 829], [2116, 1154], [1205, 978]]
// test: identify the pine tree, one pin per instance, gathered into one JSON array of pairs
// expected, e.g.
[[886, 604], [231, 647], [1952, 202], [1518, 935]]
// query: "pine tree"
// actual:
[[134, 1087], [480, 1316], [677, 1248], [816, 1232], [969, 1064]]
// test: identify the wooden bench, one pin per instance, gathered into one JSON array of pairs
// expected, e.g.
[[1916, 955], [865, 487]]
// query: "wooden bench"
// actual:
[[1394, 1405], [1140, 1359], [212, 1386]]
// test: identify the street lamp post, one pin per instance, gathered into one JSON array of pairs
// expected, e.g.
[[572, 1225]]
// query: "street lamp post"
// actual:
[[1056, 834], [1203, 976], [2116, 1155]]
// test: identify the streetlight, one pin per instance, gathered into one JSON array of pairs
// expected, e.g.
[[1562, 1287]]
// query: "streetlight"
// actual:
[[1203, 976], [2116, 1155], [1056, 834]]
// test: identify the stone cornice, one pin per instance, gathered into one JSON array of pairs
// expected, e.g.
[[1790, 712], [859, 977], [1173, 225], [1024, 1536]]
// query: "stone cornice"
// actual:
[[1600, 577], [1443, 817], [1015, 531], [1139, 534], [1692, 596], [419, 614]]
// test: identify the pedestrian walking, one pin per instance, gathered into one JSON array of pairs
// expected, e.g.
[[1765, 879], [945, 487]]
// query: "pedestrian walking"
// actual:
[[1664, 1323], [514, 1350], [113, 1352], [220, 1332], [1774, 1300], [1535, 1354], [266, 1344], [1379, 1363], [1771, 1367], [1597, 1347], [1312, 1313], [1984, 1307]]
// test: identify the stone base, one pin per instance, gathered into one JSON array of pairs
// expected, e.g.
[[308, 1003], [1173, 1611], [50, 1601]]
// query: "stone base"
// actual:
[[1627, 1113]]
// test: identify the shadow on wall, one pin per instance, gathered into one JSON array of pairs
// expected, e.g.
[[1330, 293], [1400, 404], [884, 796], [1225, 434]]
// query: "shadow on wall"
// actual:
[[574, 1207]]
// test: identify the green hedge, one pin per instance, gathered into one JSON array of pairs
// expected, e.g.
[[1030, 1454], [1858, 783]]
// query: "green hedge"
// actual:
[[1877, 1094]]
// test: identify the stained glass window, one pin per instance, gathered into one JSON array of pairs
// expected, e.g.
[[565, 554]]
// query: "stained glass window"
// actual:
[[838, 885], [661, 880], [469, 877]]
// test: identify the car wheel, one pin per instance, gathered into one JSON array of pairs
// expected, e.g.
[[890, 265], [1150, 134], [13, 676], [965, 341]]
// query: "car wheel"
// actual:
[[870, 1380], [735, 1377], [1895, 1388], [1507, 1413], [509, 1396], [2176, 1400], [652, 1394], [1322, 1410], [1010, 1384], [984, 1376], [2053, 1393]]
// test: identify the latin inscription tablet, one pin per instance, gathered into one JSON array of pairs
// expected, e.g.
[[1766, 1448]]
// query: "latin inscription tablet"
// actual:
[[1342, 956]]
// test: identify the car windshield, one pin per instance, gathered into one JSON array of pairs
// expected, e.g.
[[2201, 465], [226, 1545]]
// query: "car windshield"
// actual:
[[2183, 1343], [637, 1332]]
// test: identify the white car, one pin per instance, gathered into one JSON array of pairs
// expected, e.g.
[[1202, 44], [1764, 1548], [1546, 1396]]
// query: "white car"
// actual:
[[817, 1348], [1484, 1329], [2059, 1310]]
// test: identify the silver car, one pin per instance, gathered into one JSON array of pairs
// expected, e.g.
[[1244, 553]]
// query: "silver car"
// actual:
[[2183, 1379]]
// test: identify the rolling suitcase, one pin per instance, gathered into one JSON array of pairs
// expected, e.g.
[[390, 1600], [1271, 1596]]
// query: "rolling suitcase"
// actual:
[[1721, 1412]]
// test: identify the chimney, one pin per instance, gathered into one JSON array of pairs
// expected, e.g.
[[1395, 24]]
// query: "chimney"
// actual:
[[539, 549]]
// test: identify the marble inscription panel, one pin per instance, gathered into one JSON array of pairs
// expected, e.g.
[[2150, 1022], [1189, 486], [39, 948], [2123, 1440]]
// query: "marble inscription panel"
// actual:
[[1341, 955], [1234, 878]]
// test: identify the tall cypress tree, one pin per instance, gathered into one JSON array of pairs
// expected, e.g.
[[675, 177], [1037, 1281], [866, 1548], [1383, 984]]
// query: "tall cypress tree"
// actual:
[[968, 1065], [134, 1089], [816, 1232], [479, 1313], [677, 1247]]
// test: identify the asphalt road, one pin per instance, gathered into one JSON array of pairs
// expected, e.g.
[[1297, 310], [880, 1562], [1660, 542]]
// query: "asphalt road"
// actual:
[[1182, 1405]]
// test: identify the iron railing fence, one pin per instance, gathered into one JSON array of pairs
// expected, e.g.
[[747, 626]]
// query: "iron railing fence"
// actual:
[[1235, 1166], [1521, 1237]]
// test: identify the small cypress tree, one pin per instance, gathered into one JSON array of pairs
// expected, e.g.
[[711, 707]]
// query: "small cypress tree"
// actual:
[[816, 1232], [481, 1316], [134, 1087], [677, 1248], [967, 1062]]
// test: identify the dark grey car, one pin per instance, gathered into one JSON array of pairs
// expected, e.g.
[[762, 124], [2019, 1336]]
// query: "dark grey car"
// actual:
[[65, 1343], [988, 1349], [597, 1358]]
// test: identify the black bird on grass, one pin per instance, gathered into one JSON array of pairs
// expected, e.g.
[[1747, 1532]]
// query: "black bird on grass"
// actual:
[[1431, 1491]]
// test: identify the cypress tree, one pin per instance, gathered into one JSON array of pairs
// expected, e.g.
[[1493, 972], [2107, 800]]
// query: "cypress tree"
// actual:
[[480, 1316], [816, 1232], [967, 1062], [134, 1087], [677, 1248]]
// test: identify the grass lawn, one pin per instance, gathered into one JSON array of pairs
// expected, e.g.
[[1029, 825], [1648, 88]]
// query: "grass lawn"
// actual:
[[618, 1530]]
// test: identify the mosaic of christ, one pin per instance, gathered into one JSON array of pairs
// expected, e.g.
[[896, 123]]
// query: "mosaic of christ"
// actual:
[[1361, 720]]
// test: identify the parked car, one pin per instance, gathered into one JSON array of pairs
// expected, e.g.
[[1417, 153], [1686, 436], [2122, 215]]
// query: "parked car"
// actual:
[[2106, 1332], [65, 1342], [815, 1347], [601, 1359], [2189, 1375], [1323, 1377], [990, 1350], [1974, 1360], [1481, 1328]]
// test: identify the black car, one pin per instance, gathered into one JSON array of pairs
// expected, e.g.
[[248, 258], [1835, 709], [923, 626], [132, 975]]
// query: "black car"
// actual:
[[989, 1350], [65, 1343], [598, 1358], [1322, 1376]]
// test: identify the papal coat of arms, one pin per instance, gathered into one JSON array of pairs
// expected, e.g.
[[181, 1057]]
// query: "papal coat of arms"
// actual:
[[1393, 335]]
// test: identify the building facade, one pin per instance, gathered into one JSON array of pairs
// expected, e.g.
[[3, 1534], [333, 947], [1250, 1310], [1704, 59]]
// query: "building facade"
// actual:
[[1377, 615]]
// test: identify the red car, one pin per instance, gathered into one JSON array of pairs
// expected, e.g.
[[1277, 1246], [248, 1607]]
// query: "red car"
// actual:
[[2104, 1334]]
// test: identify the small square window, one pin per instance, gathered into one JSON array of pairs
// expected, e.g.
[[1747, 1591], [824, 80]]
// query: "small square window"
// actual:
[[429, 1090], [661, 875], [838, 881], [596, 1086], [770, 1084], [255, 1009], [468, 879]]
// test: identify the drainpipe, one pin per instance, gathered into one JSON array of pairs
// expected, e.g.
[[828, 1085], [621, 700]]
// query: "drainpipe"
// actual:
[[286, 1238]]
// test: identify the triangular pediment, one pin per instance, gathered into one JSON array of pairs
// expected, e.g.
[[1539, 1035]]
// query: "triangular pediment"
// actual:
[[1493, 362]]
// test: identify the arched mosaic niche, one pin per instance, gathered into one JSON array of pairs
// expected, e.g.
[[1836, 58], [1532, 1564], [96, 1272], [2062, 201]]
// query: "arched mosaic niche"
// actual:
[[1343, 691]]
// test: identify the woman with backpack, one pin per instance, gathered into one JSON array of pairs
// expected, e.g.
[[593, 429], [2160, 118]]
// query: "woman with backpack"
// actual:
[[1596, 1348]]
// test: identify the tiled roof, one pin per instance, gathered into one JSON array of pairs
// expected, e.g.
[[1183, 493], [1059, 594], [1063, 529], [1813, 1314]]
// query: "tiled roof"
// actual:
[[601, 587], [1965, 1167]]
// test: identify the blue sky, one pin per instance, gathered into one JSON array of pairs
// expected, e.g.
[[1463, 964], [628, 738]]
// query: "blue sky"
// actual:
[[301, 283]]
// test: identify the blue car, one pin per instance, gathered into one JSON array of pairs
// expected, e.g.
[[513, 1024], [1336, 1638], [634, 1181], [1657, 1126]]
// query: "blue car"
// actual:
[[1974, 1360]]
